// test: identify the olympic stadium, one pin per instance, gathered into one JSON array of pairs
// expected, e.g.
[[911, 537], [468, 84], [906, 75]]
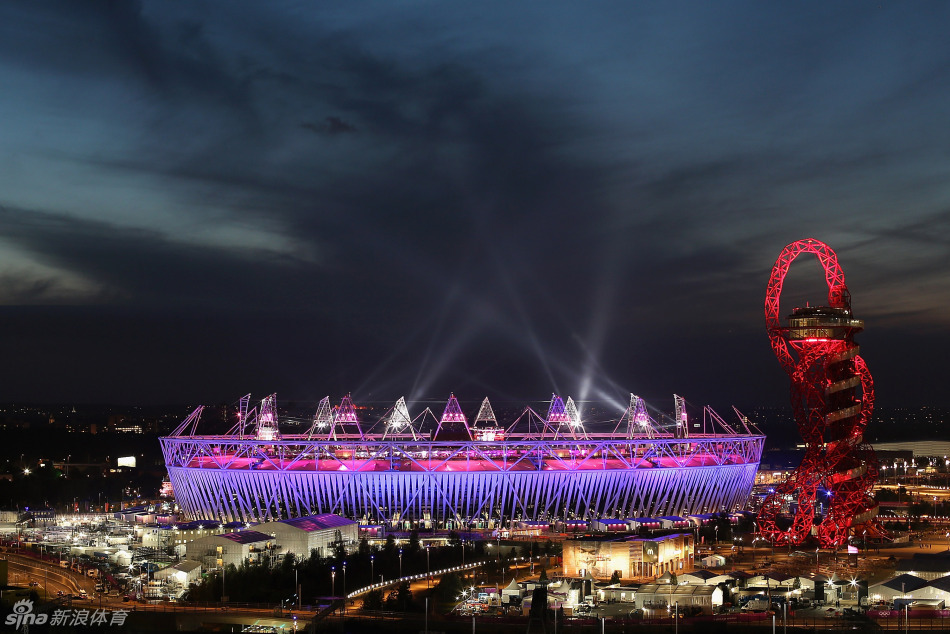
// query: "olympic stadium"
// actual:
[[447, 472]]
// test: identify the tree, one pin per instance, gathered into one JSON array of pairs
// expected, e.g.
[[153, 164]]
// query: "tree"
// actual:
[[449, 587], [288, 563], [373, 600], [404, 596], [885, 495], [339, 550], [615, 578], [544, 575], [400, 599], [724, 524]]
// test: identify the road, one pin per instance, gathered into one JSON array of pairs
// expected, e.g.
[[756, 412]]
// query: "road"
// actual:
[[50, 577]]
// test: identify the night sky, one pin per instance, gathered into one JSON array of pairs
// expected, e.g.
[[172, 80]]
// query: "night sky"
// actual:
[[202, 199]]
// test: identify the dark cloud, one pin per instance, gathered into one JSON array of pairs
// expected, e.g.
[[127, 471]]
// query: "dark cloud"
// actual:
[[417, 200], [331, 126]]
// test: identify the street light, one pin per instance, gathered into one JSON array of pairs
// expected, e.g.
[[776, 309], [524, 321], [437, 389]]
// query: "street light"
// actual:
[[372, 574], [400, 563], [344, 587], [428, 569], [333, 581], [501, 573]]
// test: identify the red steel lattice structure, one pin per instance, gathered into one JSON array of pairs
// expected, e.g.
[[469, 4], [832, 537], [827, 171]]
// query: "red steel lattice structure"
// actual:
[[832, 399]]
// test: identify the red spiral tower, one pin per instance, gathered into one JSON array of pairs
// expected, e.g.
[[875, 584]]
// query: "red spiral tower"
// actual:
[[832, 399]]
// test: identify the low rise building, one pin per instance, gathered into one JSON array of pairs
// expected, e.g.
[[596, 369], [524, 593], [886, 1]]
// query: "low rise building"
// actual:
[[619, 594], [701, 577], [629, 557], [183, 573], [215, 551], [674, 521], [659, 596], [703, 519], [939, 589], [925, 566], [608, 525], [648, 523], [300, 536], [899, 587], [571, 526], [713, 561], [530, 529], [173, 535]]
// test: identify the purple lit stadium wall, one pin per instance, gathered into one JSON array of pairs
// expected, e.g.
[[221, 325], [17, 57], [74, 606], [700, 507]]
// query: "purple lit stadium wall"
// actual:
[[457, 483]]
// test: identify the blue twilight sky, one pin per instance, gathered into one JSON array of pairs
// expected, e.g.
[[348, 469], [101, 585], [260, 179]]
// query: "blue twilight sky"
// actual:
[[200, 199]]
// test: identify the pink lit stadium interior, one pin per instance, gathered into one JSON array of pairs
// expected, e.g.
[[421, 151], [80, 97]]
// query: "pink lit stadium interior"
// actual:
[[447, 472]]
